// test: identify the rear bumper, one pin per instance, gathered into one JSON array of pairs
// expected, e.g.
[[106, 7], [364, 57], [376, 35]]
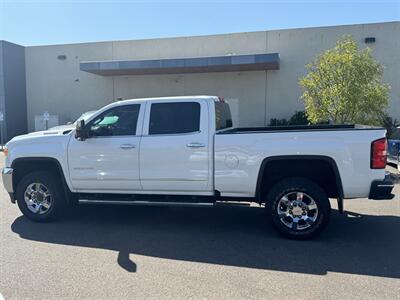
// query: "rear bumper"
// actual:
[[7, 176], [382, 189]]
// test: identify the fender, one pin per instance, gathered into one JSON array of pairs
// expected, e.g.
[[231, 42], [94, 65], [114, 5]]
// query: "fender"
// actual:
[[52, 160], [327, 159]]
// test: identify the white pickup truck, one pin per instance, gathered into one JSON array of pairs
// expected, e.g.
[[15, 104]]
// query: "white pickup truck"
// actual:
[[184, 151]]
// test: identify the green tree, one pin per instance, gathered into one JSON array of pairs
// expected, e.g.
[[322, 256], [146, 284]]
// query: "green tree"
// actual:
[[344, 85]]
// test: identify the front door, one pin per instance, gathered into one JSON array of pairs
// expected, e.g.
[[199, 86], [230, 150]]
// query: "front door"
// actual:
[[175, 149], [108, 160]]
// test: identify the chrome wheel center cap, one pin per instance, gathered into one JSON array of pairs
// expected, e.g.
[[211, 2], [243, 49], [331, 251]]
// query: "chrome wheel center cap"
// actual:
[[39, 197], [297, 211]]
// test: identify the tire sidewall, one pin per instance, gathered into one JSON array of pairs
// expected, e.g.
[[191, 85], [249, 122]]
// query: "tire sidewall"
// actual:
[[49, 180], [305, 186]]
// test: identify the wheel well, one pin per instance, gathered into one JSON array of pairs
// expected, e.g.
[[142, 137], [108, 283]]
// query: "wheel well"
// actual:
[[321, 170], [24, 166]]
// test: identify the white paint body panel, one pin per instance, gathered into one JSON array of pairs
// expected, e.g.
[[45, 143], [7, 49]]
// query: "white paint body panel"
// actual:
[[228, 163], [108, 164], [350, 149], [100, 164], [167, 164], [49, 144]]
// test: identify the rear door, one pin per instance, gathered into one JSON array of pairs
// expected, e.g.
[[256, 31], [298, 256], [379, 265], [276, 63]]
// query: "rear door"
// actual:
[[175, 149]]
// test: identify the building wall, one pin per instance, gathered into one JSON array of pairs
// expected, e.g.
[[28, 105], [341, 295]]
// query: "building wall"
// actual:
[[58, 86], [12, 90], [297, 47]]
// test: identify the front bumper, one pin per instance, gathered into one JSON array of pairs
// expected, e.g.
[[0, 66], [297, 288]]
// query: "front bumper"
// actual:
[[382, 189], [7, 176]]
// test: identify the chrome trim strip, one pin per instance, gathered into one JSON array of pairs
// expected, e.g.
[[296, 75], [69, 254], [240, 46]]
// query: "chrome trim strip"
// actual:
[[385, 185], [127, 146], [103, 179], [174, 179], [172, 134], [195, 145], [144, 203], [113, 136]]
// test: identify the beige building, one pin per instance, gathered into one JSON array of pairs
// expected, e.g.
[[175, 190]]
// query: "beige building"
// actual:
[[257, 72]]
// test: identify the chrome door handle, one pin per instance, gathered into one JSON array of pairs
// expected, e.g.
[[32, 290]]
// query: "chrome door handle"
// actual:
[[127, 146], [195, 145]]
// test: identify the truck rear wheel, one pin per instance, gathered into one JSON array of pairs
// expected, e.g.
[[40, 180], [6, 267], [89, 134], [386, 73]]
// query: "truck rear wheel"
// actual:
[[299, 208], [40, 196]]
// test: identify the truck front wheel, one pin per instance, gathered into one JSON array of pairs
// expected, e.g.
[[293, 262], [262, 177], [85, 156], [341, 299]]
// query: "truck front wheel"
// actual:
[[40, 196], [299, 208]]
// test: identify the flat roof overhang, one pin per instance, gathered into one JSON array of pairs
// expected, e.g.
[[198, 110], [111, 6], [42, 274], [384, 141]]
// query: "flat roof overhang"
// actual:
[[232, 63]]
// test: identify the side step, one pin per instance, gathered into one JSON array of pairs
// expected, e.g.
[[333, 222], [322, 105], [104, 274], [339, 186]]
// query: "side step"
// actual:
[[145, 203]]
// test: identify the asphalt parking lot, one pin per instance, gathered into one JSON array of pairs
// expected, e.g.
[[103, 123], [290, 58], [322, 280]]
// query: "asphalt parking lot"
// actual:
[[106, 252]]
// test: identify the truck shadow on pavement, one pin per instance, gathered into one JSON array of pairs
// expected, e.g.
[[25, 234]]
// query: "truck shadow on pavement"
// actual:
[[232, 236]]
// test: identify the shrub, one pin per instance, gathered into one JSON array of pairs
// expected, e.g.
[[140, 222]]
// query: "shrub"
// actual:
[[299, 118], [390, 125], [278, 122], [344, 85]]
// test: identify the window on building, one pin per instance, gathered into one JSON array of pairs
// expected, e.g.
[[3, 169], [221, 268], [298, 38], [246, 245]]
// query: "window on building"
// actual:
[[173, 118], [117, 121]]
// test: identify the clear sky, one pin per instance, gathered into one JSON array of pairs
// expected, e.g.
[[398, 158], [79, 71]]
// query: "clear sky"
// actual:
[[56, 22]]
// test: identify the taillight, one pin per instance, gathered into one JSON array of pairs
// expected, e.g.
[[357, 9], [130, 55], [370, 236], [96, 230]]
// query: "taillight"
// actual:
[[379, 154]]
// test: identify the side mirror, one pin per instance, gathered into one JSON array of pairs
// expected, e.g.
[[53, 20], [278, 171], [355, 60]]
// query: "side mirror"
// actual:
[[81, 133]]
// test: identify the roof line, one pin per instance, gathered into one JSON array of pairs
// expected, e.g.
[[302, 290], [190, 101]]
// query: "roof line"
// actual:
[[217, 34]]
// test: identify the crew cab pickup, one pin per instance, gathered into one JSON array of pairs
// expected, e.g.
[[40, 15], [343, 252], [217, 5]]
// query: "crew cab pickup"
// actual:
[[185, 151]]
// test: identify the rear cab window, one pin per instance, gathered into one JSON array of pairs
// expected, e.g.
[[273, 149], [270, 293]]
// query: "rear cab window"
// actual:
[[223, 118]]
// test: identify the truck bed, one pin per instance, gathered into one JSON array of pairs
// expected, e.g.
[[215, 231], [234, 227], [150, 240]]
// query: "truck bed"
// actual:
[[298, 128], [239, 153]]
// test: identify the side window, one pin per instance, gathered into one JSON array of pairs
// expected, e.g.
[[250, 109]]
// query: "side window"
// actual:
[[173, 118], [117, 121]]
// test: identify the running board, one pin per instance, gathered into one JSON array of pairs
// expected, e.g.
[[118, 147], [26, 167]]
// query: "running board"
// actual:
[[145, 203]]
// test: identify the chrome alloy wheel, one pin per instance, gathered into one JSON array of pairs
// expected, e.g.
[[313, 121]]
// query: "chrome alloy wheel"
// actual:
[[38, 198], [297, 210]]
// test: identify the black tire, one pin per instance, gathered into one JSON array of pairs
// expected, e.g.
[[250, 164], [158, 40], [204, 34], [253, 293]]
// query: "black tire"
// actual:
[[308, 187], [52, 183]]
